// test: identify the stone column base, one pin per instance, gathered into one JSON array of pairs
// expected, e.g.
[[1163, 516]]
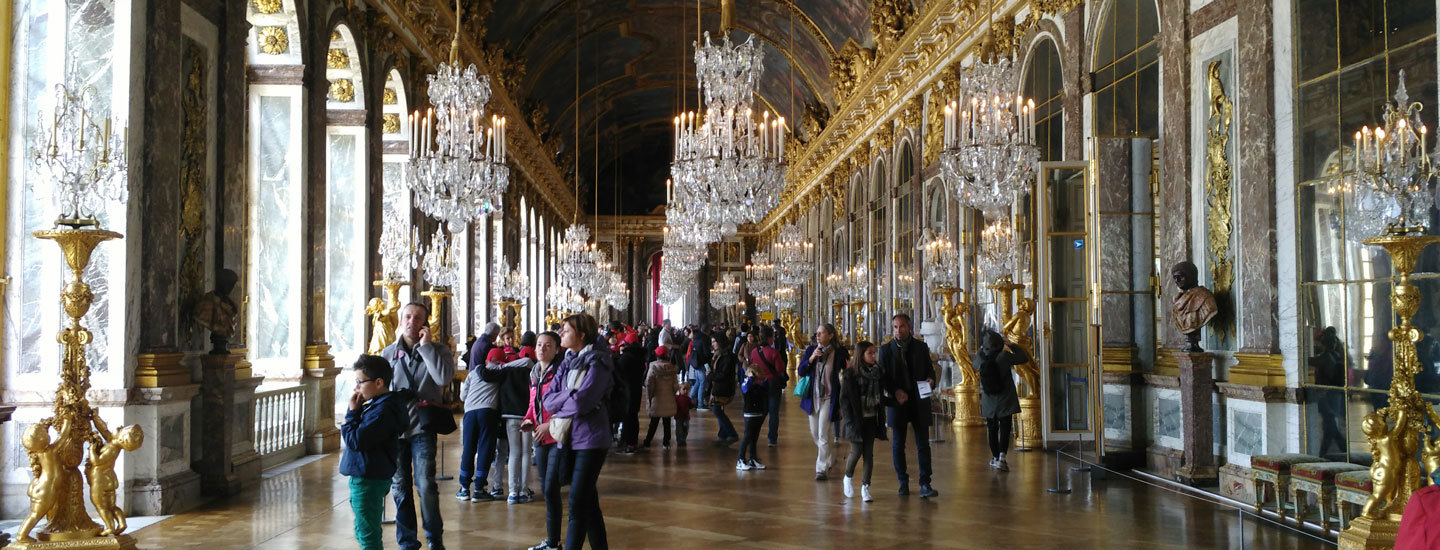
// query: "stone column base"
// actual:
[[1197, 476], [1027, 426], [168, 495], [1370, 534]]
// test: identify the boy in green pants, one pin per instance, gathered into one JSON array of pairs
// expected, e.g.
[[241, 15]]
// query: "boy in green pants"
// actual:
[[371, 433]]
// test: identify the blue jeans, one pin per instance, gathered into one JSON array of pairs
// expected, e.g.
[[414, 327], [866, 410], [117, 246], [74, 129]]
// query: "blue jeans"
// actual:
[[417, 467], [480, 428], [776, 392], [900, 417], [586, 521], [727, 429], [697, 388]]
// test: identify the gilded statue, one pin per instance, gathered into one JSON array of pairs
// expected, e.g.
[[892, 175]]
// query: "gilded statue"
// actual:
[[888, 21], [216, 311], [1016, 330], [1391, 449], [383, 316], [1194, 307], [100, 471], [1430, 455], [45, 471], [957, 340], [849, 68]]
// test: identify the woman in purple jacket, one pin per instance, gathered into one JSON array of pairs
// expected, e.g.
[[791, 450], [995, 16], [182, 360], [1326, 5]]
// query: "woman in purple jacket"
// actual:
[[580, 389]]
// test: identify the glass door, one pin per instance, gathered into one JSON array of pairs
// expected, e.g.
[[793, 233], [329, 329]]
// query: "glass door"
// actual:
[[1063, 287]]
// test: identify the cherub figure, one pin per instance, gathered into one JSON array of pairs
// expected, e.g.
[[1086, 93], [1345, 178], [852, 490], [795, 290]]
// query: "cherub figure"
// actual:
[[45, 466], [100, 471], [383, 317], [1387, 472]]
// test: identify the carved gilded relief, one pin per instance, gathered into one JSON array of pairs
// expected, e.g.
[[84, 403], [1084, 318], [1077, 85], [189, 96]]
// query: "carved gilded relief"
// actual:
[[267, 6], [390, 123], [193, 150], [1217, 198], [336, 58], [389, 97], [273, 40], [342, 90]]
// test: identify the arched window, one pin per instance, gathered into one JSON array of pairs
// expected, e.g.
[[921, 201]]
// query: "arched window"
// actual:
[[856, 254], [346, 194], [480, 270], [394, 154], [1043, 84], [905, 222], [1127, 70], [878, 258], [277, 195], [47, 36]]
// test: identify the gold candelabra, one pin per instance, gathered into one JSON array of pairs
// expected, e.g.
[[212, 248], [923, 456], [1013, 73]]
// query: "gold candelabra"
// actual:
[[1016, 331], [509, 312], [57, 491], [857, 308], [1397, 432], [437, 296], [839, 308], [957, 342], [790, 321]]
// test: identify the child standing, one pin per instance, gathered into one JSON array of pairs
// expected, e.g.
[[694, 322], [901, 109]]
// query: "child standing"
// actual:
[[862, 392], [660, 386], [757, 402], [682, 413], [371, 433]]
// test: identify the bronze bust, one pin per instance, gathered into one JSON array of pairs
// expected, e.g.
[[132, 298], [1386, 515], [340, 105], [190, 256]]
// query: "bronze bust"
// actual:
[[1194, 307], [216, 312]]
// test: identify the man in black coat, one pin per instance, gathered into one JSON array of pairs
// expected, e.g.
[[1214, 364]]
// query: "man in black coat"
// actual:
[[632, 366], [905, 363]]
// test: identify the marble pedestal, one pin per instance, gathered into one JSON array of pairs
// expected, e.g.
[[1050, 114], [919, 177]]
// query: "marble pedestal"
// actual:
[[1197, 383], [321, 435], [217, 435], [163, 481], [245, 462]]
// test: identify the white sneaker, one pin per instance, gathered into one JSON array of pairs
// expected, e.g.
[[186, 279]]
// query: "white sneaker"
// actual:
[[741, 466], [865, 493], [756, 465], [849, 491], [994, 463], [1001, 465]]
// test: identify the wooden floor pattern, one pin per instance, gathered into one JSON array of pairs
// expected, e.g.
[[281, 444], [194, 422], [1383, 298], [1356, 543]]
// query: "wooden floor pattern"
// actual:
[[694, 498]]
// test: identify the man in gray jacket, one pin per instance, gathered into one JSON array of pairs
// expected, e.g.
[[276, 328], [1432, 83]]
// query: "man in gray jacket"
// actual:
[[425, 368]]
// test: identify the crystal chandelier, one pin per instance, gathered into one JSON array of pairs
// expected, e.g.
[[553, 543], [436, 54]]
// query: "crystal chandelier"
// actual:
[[457, 169], [989, 154], [563, 299], [904, 288], [785, 299], [619, 294], [857, 283], [942, 261], [397, 247], [674, 285], [442, 262], [1393, 171], [761, 276], [577, 266], [1000, 250], [794, 256], [728, 167], [85, 161], [725, 293], [836, 286], [509, 284]]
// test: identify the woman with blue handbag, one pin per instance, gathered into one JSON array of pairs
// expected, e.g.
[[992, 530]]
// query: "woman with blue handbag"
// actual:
[[819, 389]]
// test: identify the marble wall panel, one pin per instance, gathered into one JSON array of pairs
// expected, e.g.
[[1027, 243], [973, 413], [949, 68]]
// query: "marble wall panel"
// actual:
[[160, 153], [1168, 417], [1255, 171], [1248, 435], [1117, 412], [172, 438], [232, 155], [1175, 165]]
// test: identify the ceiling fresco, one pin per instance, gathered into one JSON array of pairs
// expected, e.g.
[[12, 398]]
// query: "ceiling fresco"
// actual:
[[636, 72]]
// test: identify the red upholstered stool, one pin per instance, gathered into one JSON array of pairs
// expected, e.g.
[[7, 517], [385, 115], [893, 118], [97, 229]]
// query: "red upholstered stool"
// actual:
[[1318, 479], [1352, 489], [1273, 472]]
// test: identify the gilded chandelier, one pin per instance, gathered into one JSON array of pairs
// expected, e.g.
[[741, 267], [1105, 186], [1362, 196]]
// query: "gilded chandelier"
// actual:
[[794, 256], [1393, 171], [577, 265], [725, 293], [760, 277], [457, 169], [397, 247], [441, 263], [728, 167], [989, 154]]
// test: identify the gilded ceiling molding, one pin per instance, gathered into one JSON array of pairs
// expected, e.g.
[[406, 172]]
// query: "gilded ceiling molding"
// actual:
[[429, 25], [935, 41]]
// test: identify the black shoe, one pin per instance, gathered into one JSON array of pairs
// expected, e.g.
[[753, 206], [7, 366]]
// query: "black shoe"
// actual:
[[904, 489], [927, 491], [481, 494]]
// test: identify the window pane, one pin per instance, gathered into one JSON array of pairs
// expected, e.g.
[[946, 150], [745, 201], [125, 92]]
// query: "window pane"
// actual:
[[1320, 233], [1361, 30], [343, 260], [1069, 398], [274, 259], [1317, 125], [1409, 21], [1316, 45]]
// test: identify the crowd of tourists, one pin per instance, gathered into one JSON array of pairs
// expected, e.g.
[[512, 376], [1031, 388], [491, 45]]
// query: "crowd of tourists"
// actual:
[[562, 401]]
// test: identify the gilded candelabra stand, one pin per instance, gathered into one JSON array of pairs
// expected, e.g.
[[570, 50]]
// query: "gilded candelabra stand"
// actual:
[[384, 315], [1016, 330], [857, 308], [957, 343], [790, 322], [437, 296], [509, 312], [57, 491], [1397, 432], [839, 308]]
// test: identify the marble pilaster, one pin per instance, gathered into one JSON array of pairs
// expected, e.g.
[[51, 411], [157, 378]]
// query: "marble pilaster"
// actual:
[[1075, 80], [1175, 190], [160, 154], [1255, 179], [1197, 385], [231, 154]]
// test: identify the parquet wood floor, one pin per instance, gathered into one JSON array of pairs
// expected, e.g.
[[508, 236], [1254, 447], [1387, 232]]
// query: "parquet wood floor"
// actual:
[[693, 497]]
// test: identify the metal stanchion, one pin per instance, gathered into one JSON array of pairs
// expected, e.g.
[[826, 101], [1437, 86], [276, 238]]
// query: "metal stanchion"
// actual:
[[1082, 467], [935, 426], [440, 475], [1057, 489]]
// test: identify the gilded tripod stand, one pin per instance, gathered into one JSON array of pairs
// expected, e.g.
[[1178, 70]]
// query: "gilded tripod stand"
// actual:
[[57, 490]]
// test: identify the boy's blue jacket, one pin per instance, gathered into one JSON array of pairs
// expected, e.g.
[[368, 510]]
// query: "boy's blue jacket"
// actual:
[[372, 437]]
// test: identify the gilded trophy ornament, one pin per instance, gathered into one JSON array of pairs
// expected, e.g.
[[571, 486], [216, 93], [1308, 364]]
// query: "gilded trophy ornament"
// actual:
[[1217, 196], [273, 40]]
